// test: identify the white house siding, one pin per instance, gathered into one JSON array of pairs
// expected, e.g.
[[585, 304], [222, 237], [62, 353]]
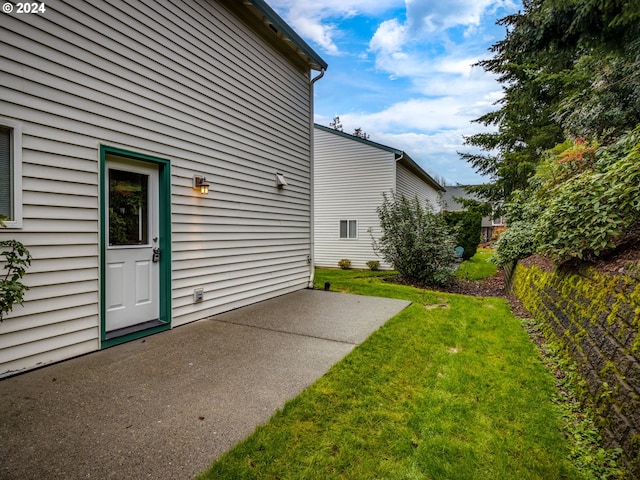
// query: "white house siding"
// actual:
[[187, 81], [410, 185], [349, 178]]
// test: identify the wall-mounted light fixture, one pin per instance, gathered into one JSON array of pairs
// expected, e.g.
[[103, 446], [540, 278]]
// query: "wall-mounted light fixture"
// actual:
[[200, 183], [280, 181]]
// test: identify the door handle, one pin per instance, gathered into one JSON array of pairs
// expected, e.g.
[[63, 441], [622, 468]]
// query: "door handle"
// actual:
[[156, 255]]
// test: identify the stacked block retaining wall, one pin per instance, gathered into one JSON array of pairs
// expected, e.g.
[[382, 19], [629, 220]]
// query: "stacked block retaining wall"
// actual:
[[595, 317]]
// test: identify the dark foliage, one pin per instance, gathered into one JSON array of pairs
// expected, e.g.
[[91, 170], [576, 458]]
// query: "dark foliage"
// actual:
[[469, 228]]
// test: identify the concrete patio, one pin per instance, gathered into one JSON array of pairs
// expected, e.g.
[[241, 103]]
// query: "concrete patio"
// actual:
[[167, 406]]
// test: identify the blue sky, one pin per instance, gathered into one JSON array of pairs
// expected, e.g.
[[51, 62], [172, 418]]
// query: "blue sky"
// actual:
[[402, 71]]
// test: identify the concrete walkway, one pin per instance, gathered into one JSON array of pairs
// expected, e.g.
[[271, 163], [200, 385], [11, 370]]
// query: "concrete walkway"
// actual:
[[167, 406]]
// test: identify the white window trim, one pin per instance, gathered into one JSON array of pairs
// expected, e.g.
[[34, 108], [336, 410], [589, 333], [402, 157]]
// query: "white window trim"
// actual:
[[17, 172], [348, 220]]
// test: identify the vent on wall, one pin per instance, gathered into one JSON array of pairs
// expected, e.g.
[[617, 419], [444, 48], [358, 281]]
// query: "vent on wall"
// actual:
[[280, 181], [198, 295]]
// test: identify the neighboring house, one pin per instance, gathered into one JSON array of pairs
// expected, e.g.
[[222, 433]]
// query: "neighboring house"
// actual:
[[350, 176], [490, 226], [110, 113]]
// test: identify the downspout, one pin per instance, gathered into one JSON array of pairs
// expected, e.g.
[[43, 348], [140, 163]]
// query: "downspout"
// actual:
[[311, 180]]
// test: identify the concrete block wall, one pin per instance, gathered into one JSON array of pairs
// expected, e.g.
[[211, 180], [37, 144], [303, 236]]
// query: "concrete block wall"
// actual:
[[595, 317]]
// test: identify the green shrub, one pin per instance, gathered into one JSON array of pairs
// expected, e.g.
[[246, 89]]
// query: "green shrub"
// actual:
[[469, 227], [514, 243], [374, 265], [583, 199], [416, 241], [592, 209], [16, 259], [344, 264]]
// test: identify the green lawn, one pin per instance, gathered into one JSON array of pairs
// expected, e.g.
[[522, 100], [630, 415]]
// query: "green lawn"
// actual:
[[478, 267], [450, 388]]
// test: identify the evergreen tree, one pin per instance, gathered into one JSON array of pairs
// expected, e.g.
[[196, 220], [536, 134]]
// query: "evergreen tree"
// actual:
[[360, 134], [335, 123], [567, 67]]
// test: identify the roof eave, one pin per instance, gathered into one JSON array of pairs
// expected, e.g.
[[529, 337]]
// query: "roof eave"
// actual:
[[420, 171], [285, 33], [357, 139]]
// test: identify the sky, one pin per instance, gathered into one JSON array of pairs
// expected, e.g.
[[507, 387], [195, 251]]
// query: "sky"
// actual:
[[401, 70]]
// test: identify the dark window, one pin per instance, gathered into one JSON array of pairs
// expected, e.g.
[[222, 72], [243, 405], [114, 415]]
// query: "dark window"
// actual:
[[6, 172], [348, 229], [128, 208]]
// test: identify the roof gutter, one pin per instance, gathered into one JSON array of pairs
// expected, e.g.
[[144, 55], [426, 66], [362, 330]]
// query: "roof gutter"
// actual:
[[314, 80]]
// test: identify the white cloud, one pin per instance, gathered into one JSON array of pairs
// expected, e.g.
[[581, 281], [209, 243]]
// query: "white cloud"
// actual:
[[427, 32], [424, 114], [322, 34], [429, 49], [431, 130], [389, 38], [416, 115], [428, 16], [315, 21], [435, 152], [478, 86], [460, 66]]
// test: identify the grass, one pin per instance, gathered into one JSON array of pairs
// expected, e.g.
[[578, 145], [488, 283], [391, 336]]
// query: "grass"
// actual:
[[478, 267], [450, 388]]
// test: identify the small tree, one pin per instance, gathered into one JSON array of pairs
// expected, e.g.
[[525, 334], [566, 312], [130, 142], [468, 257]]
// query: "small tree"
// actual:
[[416, 241], [16, 258], [469, 225], [335, 123], [358, 132]]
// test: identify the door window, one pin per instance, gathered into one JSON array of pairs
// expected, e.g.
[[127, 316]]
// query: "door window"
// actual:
[[128, 208]]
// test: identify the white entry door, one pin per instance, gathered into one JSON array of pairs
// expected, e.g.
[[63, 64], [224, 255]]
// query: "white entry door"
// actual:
[[132, 249]]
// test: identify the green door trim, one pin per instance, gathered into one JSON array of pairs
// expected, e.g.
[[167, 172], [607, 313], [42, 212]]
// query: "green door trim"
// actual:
[[164, 202]]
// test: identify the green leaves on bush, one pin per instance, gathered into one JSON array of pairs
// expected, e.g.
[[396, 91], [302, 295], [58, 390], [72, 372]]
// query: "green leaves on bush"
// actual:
[[469, 227], [416, 241], [374, 265], [514, 243], [593, 209], [344, 264], [584, 199], [16, 258]]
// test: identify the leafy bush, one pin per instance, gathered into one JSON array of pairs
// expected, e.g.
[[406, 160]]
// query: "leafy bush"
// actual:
[[583, 199], [469, 227], [592, 209], [16, 258], [344, 264], [514, 243], [373, 265], [416, 241]]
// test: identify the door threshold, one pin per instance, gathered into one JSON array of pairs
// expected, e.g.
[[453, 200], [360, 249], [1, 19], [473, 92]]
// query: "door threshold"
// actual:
[[122, 332]]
